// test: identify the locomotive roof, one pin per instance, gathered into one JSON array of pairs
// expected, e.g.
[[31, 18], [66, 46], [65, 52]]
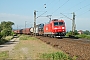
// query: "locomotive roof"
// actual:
[[58, 20]]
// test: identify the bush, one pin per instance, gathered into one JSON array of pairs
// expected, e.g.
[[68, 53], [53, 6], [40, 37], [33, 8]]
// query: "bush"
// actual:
[[56, 56], [69, 33], [2, 41], [12, 33], [82, 35], [8, 37], [0, 36], [27, 37], [87, 37]]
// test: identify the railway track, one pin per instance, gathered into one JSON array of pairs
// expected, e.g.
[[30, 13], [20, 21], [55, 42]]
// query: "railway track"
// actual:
[[74, 47]]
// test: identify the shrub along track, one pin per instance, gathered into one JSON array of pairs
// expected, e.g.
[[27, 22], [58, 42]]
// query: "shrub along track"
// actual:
[[74, 47]]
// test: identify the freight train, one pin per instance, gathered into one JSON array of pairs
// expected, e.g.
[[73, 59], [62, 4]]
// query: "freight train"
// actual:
[[55, 28]]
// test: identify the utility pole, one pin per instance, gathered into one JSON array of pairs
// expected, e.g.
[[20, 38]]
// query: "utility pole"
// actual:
[[25, 27], [34, 29], [73, 24], [34, 22], [17, 28]]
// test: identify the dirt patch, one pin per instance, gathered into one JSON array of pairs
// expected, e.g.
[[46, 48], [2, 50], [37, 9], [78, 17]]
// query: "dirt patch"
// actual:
[[9, 45], [31, 49]]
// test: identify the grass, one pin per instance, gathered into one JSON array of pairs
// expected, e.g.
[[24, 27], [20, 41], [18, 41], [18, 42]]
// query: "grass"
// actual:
[[4, 55], [27, 37], [2, 41], [57, 56], [84, 36], [34, 49], [6, 39], [87, 37], [48, 56]]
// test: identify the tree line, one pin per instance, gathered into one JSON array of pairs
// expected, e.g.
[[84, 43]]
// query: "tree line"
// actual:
[[87, 32]]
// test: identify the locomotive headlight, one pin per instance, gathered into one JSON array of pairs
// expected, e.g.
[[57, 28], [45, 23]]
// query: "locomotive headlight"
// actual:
[[63, 28]]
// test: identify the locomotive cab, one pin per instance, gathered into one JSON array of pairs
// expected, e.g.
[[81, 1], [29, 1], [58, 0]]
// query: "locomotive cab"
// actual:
[[56, 28], [59, 28]]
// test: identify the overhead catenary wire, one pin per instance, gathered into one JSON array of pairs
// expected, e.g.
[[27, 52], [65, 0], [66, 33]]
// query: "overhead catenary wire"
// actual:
[[82, 7], [60, 6], [55, 3], [42, 14], [84, 13], [76, 5], [52, 5], [47, 11], [64, 4], [63, 15], [42, 6], [66, 16], [79, 4], [45, 8]]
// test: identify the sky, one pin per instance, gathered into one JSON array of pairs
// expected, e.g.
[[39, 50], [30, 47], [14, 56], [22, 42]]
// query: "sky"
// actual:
[[22, 11]]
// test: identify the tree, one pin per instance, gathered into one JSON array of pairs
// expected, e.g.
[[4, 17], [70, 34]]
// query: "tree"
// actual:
[[76, 32], [7, 24], [70, 33], [0, 28], [87, 32], [6, 28], [0, 35]]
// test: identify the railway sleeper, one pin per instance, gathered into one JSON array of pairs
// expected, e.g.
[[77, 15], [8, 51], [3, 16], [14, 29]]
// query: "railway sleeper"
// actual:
[[48, 42], [55, 45]]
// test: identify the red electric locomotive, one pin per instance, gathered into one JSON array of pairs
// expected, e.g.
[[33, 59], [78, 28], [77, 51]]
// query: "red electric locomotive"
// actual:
[[55, 28]]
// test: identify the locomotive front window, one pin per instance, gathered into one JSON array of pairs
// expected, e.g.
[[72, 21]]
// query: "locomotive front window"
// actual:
[[55, 23], [61, 23], [41, 26]]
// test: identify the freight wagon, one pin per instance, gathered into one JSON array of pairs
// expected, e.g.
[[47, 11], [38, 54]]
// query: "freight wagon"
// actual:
[[18, 31], [26, 31], [39, 29], [31, 30]]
